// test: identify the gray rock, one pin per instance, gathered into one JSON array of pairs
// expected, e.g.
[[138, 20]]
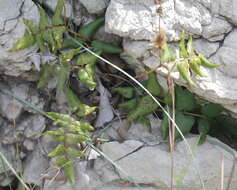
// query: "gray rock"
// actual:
[[107, 37], [152, 165], [138, 19], [34, 126], [52, 5], [95, 6], [227, 56], [205, 47], [35, 166], [10, 154], [216, 28], [227, 8], [219, 84], [12, 29], [29, 144], [11, 108]]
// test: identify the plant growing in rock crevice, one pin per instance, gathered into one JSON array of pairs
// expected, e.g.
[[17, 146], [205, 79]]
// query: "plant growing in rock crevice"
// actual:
[[51, 37]]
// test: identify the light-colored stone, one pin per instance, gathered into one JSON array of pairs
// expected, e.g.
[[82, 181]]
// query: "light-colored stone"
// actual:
[[11, 29], [217, 27], [35, 166], [227, 56], [205, 47], [139, 20], [11, 108], [152, 165], [95, 6]]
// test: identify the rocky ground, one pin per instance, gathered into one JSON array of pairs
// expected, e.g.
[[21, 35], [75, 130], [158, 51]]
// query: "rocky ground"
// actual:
[[142, 154]]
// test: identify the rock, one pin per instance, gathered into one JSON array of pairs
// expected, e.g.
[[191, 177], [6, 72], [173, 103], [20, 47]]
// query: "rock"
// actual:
[[10, 108], [11, 29], [139, 20], [219, 84], [10, 154], [107, 37], [82, 181], [227, 8], [227, 56], [94, 6], [34, 126], [52, 5], [29, 144], [35, 166], [205, 47], [152, 165], [218, 27]]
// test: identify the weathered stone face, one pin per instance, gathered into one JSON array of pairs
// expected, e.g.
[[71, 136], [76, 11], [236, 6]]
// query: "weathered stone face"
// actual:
[[11, 29], [211, 22]]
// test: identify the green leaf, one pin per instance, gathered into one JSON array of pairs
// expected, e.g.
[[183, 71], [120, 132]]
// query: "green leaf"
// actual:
[[167, 54], [165, 125], [89, 30], [153, 85], [183, 68], [63, 73], [58, 151], [184, 123], [57, 20], [144, 121], [106, 47], [182, 47], [184, 99], [190, 49], [66, 57], [168, 98], [35, 31], [26, 41], [61, 161], [86, 58], [69, 172], [69, 122], [203, 129], [145, 106], [228, 125], [57, 135], [206, 63], [72, 152], [200, 101], [126, 92], [86, 76], [44, 26], [212, 110], [75, 138], [195, 66], [76, 106], [46, 72], [130, 105]]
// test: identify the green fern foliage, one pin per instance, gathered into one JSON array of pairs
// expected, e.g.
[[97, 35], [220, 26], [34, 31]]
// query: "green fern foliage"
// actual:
[[69, 135]]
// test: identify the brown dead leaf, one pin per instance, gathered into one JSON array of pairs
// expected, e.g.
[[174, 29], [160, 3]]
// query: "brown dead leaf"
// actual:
[[159, 40]]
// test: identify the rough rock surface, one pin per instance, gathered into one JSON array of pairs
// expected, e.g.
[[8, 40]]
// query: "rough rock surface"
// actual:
[[94, 6], [11, 29], [210, 22], [138, 19], [151, 165]]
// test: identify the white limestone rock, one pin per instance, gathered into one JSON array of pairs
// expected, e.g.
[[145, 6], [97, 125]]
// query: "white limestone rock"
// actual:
[[139, 20], [95, 6], [152, 165], [11, 29]]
